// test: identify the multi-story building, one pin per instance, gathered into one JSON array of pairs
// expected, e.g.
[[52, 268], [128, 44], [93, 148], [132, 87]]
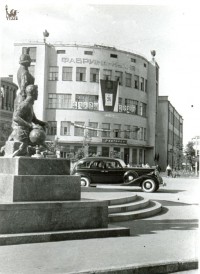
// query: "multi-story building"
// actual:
[[97, 96], [7, 96], [169, 134]]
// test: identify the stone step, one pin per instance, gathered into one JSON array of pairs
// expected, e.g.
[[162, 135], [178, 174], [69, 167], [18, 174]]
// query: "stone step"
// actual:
[[152, 209], [139, 203], [38, 237]]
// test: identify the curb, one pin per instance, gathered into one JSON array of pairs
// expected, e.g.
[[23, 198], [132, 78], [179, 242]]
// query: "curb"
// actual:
[[157, 268]]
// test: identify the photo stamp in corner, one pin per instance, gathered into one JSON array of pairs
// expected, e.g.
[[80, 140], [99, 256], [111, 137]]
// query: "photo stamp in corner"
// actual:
[[12, 15]]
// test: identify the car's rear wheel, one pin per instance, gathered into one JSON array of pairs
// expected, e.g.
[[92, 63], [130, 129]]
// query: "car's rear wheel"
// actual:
[[148, 185], [85, 182], [129, 176]]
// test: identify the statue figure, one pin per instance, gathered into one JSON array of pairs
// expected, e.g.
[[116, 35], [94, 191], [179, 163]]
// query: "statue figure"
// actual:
[[24, 77], [24, 120]]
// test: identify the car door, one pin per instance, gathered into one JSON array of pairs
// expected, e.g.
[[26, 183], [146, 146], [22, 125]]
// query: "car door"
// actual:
[[114, 171], [97, 172]]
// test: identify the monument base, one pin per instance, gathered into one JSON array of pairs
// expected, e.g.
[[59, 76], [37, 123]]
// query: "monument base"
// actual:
[[40, 201]]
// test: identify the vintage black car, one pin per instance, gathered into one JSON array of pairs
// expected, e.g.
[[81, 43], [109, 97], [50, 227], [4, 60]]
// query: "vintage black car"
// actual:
[[105, 170]]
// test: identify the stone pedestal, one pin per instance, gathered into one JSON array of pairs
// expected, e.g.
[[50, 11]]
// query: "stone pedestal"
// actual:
[[40, 196]]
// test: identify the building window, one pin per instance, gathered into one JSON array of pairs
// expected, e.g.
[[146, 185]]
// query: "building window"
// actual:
[[136, 81], [32, 52], [67, 73], [88, 52], [92, 133], [127, 132], [59, 101], [60, 51], [133, 60], [145, 65], [53, 73], [113, 55], [134, 156], [140, 156], [140, 133], [84, 101], [145, 89], [145, 134], [65, 128], [117, 130], [79, 131], [135, 133], [131, 106], [119, 77], [94, 75], [106, 130], [142, 83], [143, 109], [128, 79], [107, 74], [81, 74], [52, 129]]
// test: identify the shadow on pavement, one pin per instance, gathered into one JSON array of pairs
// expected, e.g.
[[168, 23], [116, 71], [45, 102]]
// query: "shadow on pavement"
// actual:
[[172, 203], [138, 227]]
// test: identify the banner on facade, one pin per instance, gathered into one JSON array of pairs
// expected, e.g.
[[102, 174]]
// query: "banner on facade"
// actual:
[[108, 95], [114, 141]]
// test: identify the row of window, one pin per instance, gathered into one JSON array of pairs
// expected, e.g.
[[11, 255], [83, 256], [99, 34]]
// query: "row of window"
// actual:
[[174, 138], [128, 79], [91, 102], [93, 130], [175, 121], [33, 50]]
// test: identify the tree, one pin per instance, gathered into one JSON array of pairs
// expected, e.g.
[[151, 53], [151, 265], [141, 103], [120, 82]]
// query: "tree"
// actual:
[[190, 153]]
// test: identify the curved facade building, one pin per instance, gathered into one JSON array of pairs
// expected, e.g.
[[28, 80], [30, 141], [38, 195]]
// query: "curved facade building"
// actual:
[[7, 97], [97, 97]]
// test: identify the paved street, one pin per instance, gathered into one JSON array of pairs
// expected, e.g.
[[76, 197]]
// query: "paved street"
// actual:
[[170, 236]]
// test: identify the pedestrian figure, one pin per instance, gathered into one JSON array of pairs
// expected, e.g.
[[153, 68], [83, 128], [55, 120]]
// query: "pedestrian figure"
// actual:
[[169, 170]]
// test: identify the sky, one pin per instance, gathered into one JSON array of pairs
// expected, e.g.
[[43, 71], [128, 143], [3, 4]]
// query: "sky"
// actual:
[[169, 27]]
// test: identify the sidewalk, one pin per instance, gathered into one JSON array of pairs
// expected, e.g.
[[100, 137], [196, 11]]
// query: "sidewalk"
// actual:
[[161, 244]]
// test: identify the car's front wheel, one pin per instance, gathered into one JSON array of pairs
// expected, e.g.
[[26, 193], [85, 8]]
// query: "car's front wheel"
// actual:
[[85, 182], [149, 185]]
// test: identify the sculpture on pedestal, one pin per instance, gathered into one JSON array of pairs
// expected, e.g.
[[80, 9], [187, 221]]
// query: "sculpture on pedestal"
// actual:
[[28, 131], [24, 121], [24, 77]]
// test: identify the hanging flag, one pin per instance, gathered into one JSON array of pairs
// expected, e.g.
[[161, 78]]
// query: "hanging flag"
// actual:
[[108, 95]]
